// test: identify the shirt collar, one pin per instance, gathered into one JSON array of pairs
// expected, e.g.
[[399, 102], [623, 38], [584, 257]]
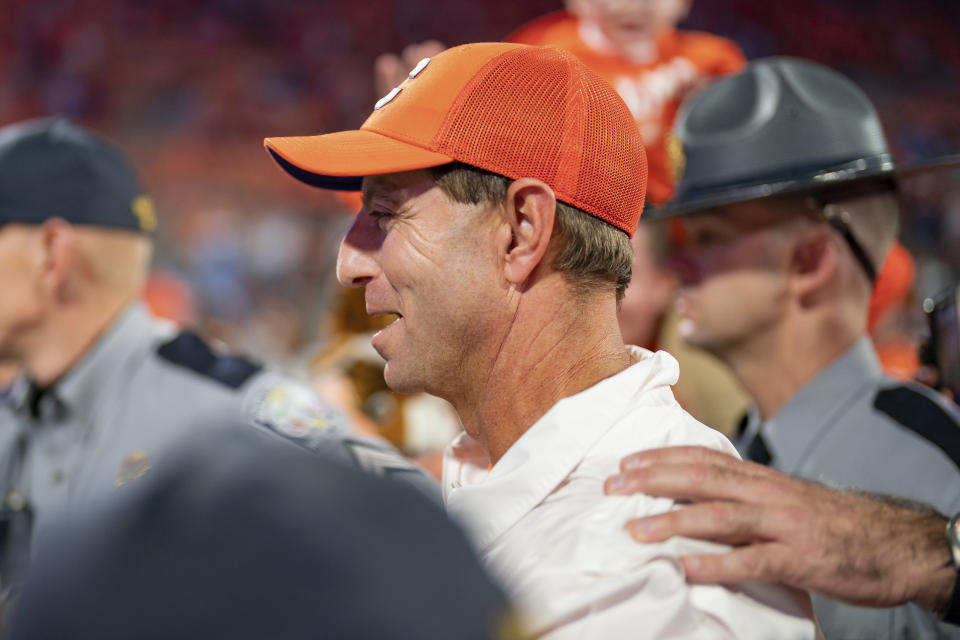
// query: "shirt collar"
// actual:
[[489, 503], [76, 392], [813, 410], [118, 343]]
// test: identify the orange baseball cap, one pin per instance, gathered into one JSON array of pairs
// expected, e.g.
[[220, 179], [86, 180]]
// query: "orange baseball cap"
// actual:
[[516, 110]]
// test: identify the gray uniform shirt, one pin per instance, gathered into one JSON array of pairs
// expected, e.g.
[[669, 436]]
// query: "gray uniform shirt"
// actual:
[[140, 389], [854, 427]]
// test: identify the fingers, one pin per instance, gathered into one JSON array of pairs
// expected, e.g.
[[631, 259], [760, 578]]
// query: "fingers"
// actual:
[[701, 481], [761, 563], [388, 72], [414, 53], [389, 69], [675, 455], [725, 522]]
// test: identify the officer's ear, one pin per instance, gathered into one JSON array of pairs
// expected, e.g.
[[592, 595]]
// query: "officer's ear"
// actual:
[[530, 208], [814, 263], [59, 257]]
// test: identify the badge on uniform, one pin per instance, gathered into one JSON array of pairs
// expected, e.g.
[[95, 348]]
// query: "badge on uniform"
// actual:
[[293, 411], [134, 466]]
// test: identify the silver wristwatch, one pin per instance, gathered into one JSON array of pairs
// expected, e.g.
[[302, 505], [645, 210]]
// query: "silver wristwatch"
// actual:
[[951, 612], [953, 539]]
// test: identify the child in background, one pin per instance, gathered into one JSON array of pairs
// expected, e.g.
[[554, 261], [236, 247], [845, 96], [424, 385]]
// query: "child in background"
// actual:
[[635, 46]]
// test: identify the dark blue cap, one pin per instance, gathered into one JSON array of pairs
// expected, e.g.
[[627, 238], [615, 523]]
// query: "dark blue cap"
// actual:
[[50, 168], [240, 535]]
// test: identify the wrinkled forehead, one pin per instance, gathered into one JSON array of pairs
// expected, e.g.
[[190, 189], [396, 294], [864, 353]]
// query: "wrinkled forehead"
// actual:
[[396, 189]]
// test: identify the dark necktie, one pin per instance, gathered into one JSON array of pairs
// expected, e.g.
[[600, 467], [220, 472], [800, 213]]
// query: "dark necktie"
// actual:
[[757, 450]]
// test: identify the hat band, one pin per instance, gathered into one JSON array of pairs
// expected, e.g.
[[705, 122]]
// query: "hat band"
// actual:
[[815, 173]]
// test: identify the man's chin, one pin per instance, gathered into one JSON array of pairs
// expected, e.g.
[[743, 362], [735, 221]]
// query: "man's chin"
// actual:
[[398, 381]]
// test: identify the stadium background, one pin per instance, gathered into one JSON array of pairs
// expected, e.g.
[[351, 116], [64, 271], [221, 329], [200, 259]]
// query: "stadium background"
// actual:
[[189, 89]]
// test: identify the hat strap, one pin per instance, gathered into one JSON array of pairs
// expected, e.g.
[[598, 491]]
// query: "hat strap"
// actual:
[[839, 219]]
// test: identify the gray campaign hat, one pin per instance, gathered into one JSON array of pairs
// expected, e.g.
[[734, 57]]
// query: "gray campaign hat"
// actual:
[[783, 125], [50, 168]]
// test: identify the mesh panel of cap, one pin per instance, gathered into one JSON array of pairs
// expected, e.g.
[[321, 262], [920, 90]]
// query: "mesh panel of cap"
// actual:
[[538, 112]]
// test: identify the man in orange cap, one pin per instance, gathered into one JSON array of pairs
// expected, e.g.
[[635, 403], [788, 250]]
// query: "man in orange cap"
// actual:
[[501, 184]]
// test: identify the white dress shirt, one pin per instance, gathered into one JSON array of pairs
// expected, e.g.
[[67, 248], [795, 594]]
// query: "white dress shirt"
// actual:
[[543, 525]]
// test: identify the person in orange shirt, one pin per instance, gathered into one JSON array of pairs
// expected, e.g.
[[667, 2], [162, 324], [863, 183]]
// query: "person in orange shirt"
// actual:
[[635, 46], [891, 317], [632, 44]]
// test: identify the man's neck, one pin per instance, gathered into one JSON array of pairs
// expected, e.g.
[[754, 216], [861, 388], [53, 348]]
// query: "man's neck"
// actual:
[[774, 368], [66, 337], [548, 354]]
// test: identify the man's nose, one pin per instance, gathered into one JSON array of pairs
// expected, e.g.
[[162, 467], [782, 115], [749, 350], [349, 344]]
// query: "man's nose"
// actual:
[[357, 260]]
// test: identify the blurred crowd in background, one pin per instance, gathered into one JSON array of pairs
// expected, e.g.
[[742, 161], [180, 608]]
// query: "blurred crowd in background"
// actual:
[[189, 90]]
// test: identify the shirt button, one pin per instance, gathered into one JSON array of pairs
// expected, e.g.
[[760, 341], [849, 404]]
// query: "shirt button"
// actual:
[[58, 476]]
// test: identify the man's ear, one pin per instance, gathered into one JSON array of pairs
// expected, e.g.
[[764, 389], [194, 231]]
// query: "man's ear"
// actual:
[[814, 262], [530, 209], [59, 256]]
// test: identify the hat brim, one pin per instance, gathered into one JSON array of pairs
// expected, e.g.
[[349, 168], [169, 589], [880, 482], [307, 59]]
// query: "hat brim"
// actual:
[[339, 161], [860, 170]]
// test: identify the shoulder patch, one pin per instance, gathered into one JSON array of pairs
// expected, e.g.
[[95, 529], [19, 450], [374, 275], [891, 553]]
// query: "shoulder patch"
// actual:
[[295, 413], [922, 415], [188, 350]]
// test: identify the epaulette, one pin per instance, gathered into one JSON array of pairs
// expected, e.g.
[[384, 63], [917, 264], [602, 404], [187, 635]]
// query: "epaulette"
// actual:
[[922, 415], [188, 350]]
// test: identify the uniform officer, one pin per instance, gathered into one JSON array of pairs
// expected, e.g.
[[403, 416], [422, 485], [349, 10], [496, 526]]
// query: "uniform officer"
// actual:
[[789, 209], [106, 388]]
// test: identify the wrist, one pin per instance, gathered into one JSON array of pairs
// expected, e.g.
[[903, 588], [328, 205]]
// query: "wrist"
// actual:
[[944, 595]]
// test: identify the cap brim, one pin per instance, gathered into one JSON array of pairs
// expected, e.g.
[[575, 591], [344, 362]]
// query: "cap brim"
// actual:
[[825, 180], [339, 161], [926, 166]]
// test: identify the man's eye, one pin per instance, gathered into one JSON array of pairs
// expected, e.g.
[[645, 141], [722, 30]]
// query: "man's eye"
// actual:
[[380, 216]]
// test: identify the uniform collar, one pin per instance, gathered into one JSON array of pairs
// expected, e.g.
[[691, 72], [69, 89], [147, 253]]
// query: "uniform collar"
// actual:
[[118, 344], [794, 430], [77, 392], [489, 503]]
